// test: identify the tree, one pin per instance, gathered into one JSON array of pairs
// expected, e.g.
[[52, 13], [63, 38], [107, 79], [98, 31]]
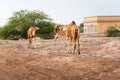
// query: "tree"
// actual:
[[81, 26], [46, 29], [20, 21]]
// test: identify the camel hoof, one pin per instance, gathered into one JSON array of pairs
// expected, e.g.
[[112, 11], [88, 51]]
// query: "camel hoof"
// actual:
[[78, 53], [69, 52]]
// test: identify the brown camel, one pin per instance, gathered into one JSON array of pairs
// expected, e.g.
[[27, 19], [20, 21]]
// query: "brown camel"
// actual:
[[72, 32], [31, 33]]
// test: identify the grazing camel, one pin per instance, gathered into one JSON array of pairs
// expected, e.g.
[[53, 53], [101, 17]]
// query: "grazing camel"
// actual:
[[72, 32], [31, 33], [59, 31]]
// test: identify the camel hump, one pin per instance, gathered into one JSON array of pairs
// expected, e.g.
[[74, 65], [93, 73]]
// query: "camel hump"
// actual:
[[73, 22]]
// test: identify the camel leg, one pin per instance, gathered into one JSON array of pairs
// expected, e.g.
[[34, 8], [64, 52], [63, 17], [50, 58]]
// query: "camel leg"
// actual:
[[34, 42], [78, 46], [56, 37], [74, 46], [30, 42], [68, 45]]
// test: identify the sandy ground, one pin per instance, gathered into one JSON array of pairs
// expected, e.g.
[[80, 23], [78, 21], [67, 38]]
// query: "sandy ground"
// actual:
[[49, 60]]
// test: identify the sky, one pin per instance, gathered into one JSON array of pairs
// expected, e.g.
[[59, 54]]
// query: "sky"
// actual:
[[61, 11]]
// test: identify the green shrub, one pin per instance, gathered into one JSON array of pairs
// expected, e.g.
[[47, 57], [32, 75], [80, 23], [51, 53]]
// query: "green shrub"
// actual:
[[112, 32]]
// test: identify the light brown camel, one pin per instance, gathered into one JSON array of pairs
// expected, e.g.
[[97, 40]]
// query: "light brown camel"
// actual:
[[31, 33], [72, 32], [59, 31]]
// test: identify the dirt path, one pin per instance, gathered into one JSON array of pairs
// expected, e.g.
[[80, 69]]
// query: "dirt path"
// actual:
[[99, 60]]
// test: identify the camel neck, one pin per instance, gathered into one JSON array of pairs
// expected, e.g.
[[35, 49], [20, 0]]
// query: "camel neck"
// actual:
[[61, 32]]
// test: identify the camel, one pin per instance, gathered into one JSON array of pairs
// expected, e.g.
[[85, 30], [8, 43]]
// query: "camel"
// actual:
[[72, 32], [59, 31], [31, 33]]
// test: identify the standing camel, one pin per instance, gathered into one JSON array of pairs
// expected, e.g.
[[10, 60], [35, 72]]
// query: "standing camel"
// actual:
[[72, 32], [31, 33]]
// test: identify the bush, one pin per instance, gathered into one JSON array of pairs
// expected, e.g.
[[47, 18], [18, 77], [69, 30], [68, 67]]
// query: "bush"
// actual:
[[112, 32]]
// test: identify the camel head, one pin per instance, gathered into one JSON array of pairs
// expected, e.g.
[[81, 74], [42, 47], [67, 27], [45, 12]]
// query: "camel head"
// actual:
[[36, 28], [59, 31], [56, 29]]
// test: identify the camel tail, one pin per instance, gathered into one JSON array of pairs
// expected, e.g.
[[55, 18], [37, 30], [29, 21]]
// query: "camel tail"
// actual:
[[76, 33]]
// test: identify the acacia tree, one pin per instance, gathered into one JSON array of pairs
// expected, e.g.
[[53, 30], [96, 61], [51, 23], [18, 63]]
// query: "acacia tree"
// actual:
[[20, 21]]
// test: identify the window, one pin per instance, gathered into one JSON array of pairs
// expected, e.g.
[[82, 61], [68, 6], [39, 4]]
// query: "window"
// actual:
[[90, 29]]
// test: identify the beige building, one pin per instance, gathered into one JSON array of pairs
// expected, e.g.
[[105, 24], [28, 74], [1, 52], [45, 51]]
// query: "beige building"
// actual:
[[99, 24]]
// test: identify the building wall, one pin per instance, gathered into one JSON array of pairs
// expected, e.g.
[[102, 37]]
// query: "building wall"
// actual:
[[103, 26], [101, 23]]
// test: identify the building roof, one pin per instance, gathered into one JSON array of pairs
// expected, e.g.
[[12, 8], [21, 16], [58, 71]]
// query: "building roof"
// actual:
[[102, 19]]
